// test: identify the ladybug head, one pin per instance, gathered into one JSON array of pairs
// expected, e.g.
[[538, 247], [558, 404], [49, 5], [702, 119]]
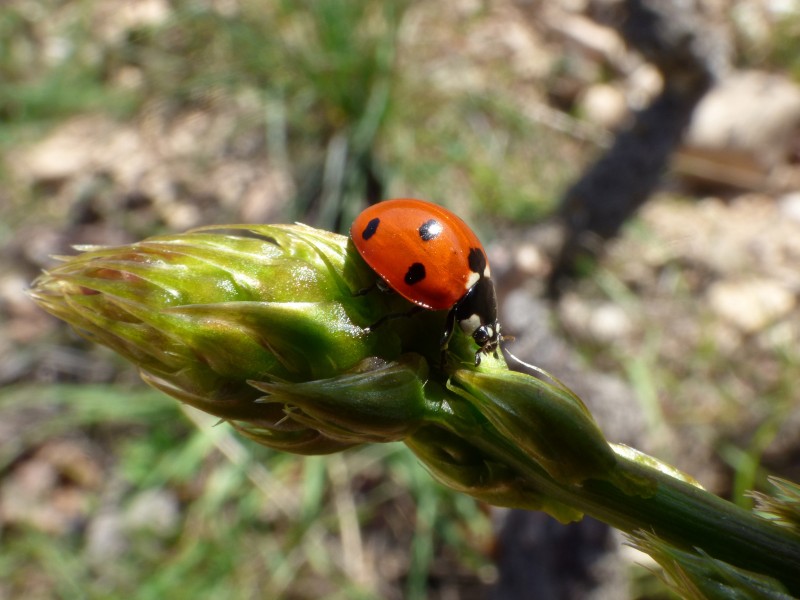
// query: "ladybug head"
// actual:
[[476, 314], [488, 338]]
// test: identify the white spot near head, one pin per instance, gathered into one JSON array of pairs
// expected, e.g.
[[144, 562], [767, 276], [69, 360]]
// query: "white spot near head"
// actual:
[[486, 272], [470, 324], [472, 280]]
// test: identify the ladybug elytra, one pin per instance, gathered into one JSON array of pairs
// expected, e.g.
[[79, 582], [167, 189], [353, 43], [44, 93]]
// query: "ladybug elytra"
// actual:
[[432, 258]]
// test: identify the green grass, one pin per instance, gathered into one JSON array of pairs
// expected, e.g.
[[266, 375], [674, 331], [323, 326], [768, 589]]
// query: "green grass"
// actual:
[[337, 110], [44, 86], [252, 522]]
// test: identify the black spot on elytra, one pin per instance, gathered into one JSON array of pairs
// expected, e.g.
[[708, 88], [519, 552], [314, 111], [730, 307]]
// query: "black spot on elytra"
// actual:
[[477, 261], [430, 230], [415, 273], [370, 229]]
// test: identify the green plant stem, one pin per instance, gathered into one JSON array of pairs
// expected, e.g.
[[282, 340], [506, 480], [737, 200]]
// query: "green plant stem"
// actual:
[[677, 512], [687, 516]]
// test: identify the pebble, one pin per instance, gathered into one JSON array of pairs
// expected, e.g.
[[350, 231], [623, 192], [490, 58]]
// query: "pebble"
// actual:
[[751, 304]]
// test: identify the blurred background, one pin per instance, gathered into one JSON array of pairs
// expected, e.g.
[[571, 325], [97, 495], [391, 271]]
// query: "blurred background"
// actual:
[[638, 190]]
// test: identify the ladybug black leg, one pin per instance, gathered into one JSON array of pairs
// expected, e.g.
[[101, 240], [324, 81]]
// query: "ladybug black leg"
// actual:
[[364, 291], [379, 284], [409, 313], [449, 327]]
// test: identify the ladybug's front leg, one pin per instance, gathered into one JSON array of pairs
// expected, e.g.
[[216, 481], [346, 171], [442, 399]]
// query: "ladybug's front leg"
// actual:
[[409, 313], [449, 327], [379, 284]]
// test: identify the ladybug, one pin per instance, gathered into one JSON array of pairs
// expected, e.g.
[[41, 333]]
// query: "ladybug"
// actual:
[[432, 258]]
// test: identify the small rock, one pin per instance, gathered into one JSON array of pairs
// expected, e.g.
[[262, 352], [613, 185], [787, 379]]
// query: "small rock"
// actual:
[[530, 260], [605, 323], [154, 510], [604, 105], [723, 121], [32, 495], [789, 205], [609, 323], [105, 538], [752, 304], [115, 20], [75, 463]]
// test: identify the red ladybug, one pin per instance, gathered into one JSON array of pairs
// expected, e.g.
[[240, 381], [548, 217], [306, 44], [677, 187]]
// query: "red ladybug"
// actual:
[[431, 257]]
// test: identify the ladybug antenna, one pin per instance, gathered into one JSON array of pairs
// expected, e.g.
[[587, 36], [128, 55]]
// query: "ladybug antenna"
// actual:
[[524, 364], [540, 371]]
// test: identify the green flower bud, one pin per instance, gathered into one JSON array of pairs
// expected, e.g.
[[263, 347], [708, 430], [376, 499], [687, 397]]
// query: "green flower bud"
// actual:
[[204, 313], [548, 423]]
